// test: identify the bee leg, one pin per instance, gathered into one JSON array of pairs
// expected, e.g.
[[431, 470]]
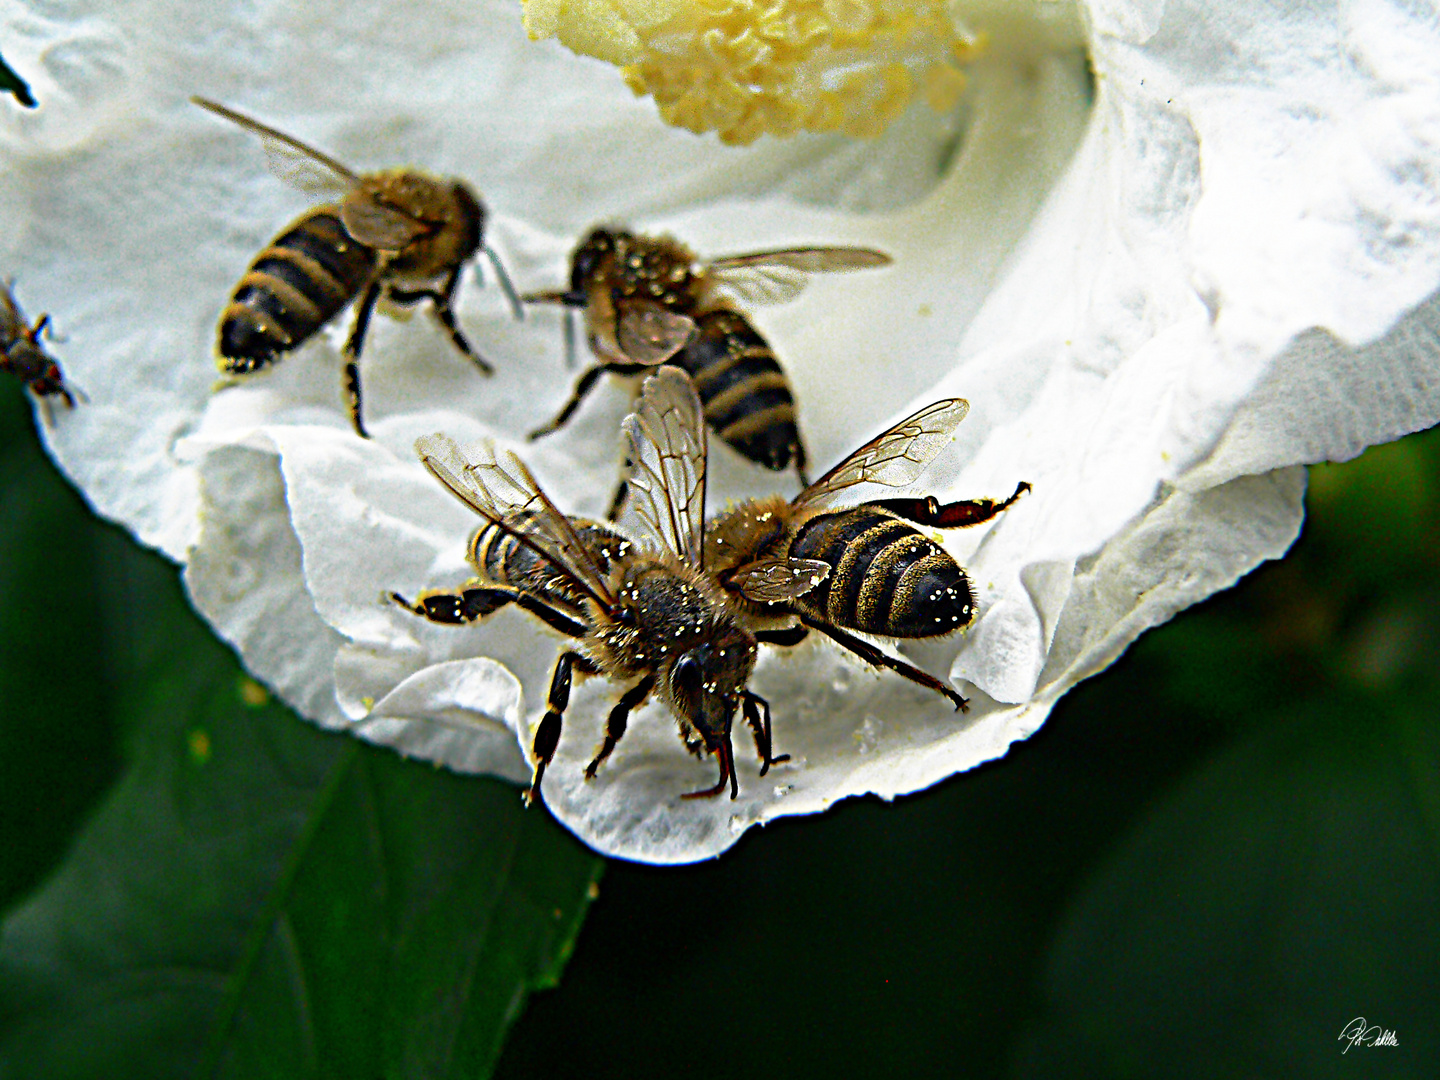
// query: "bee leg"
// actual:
[[455, 608], [791, 635], [440, 307], [878, 658], [570, 339], [556, 620], [763, 740], [619, 717], [727, 773], [353, 344], [617, 503], [547, 736], [583, 386], [956, 515]]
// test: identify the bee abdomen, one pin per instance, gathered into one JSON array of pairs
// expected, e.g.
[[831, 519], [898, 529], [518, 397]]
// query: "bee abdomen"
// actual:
[[887, 578], [294, 287], [503, 558], [746, 397]]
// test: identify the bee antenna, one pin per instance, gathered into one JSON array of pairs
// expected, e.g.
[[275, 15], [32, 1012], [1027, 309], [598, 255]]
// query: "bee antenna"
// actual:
[[505, 283]]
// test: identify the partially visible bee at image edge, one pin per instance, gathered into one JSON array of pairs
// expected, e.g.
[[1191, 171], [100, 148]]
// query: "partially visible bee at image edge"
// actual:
[[646, 614], [400, 236], [802, 565], [650, 300], [22, 355]]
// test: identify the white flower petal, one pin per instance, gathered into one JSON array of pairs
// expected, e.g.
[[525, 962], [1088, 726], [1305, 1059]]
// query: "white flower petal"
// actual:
[[1223, 266]]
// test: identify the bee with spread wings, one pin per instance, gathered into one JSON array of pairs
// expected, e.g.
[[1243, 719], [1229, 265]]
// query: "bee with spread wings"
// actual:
[[866, 567], [400, 235], [644, 614], [22, 355], [651, 300]]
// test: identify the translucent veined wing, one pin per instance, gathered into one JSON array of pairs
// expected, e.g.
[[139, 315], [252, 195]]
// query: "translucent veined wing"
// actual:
[[774, 277], [897, 457], [290, 160], [774, 581], [651, 333], [500, 489], [666, 456], [377, 225]]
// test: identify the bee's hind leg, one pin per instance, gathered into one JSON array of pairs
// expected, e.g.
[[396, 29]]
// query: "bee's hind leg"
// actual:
[[441, 308], [547, 735], [353, 344], [455, 608], [956, 515]]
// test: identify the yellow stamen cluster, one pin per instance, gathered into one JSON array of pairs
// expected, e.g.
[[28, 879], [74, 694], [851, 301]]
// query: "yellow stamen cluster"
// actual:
[[746, 68]]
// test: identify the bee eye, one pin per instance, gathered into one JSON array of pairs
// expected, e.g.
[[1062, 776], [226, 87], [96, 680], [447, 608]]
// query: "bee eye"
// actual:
[[687, 677]]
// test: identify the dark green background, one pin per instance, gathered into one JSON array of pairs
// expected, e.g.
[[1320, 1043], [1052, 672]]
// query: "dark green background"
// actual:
[[1207, 862]]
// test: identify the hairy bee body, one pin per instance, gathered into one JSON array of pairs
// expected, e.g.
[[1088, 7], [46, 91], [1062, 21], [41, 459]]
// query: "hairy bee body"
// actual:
[[645, 612], [886, 577], [744, 393], [746, 397], [22, 355], [649, 300], [400, 236], [298, 283], [790, 567], [501, 558], [631, 267]]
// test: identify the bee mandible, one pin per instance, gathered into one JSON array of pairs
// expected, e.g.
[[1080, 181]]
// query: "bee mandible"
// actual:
[[645, 614], [398, 235], [650, 300], [867, 568], [22, 355]]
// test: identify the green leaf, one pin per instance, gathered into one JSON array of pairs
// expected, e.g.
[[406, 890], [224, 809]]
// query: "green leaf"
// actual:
[[13, 84], [57, 753], [1286, 889], [256, 897]]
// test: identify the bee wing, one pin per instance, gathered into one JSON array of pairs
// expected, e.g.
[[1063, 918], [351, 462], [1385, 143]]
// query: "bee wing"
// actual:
[[377, 225], [774, 277], [773, 581], [896, 457], [500, 489], [650, 334], [290, 160], [666, 455]]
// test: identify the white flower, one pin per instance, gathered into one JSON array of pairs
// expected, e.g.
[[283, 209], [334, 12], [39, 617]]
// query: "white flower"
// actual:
[[1160, 289]]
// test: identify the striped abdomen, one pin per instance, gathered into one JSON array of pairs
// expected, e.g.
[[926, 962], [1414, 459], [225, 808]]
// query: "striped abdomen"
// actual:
[[886, 577], [746, 396], [503, 559], [294, 287]]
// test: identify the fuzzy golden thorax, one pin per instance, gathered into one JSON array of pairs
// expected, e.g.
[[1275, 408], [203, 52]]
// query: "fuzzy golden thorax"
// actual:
[[453, 213], [670, 621]]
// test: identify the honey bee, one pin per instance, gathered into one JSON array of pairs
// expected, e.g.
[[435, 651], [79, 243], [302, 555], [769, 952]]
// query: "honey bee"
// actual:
[[651, 300], [400, 235], [22, 355], [865, 568], [642, 613]]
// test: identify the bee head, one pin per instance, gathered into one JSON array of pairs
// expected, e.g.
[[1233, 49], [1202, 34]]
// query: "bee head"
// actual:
[[704, 684], [586, 260], [470, 218]]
